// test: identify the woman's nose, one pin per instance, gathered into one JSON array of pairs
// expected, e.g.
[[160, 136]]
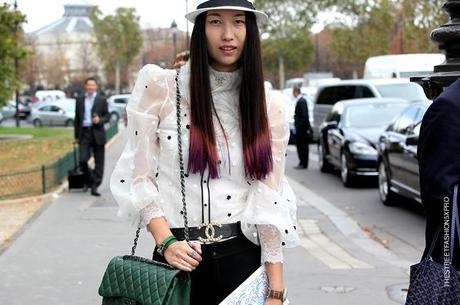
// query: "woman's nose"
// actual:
[[227, 33]]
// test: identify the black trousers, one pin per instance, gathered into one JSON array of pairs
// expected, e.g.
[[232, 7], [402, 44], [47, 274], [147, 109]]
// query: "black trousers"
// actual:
[[224, 267], [302, 139], [93, 177]]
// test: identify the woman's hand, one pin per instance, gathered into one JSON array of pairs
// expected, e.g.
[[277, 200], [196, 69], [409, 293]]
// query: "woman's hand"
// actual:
[[273, 302], [183, 256]]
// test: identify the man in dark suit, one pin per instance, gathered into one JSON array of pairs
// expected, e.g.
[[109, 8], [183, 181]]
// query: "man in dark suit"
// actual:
[[439, 160], [303, 128], [91, 113]]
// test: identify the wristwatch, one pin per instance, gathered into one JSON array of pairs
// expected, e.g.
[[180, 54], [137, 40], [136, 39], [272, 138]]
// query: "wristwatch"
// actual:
[[277, 295]]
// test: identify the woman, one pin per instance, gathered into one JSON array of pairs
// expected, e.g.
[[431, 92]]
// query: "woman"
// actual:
[[239, 206]]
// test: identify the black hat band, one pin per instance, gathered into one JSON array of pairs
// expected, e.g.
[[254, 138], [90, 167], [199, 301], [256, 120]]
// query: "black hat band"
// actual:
[[218, 3]]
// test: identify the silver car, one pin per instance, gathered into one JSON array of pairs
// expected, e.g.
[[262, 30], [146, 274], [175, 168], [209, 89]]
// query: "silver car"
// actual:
[[117, 106], [54, 114], [9, 110]]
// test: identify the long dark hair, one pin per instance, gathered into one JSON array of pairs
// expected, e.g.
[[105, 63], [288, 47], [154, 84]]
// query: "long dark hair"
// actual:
[[258, 160]]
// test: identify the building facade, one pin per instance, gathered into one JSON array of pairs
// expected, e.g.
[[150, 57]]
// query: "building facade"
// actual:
[[65, 50]]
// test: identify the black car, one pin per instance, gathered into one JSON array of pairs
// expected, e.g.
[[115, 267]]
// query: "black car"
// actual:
[[349, 136], [397, 161]]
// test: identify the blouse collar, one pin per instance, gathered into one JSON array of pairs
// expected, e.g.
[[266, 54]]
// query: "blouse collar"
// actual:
[[224, 81], [220, 81]]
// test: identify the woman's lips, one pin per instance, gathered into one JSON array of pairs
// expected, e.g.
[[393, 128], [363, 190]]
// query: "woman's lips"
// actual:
[[228, 51]]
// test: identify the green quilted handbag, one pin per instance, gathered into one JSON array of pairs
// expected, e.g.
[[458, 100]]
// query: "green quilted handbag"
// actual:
[[133, 280]]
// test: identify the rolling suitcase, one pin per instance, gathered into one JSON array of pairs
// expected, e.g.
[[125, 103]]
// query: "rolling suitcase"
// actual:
[[75, 176]]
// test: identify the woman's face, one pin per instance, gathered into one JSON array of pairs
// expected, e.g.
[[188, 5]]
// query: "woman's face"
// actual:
[[226, 35]]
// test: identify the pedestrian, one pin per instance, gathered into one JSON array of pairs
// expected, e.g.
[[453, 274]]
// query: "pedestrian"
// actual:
[[303, 128], [439, 160], [91, 113], [234, 138]]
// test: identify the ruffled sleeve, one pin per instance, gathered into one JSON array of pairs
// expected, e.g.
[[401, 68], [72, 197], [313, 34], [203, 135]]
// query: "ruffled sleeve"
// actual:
[[133, 182], [270, 214]]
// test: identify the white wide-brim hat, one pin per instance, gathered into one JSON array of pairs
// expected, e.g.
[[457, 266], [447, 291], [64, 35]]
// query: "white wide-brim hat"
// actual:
[[239, 5]]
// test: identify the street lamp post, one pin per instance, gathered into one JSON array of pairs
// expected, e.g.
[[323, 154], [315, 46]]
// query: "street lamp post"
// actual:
[[16, 64], [174, 37], [187, 38], [447, 37]]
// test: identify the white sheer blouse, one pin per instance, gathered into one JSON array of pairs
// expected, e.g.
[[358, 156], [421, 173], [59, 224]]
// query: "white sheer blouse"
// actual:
[[146, 182]]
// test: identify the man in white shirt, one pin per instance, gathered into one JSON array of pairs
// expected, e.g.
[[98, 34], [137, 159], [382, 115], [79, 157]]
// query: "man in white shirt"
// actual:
[[91, 114]]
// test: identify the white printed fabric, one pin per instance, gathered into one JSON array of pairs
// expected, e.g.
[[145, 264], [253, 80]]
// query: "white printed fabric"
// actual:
[[146, 181]]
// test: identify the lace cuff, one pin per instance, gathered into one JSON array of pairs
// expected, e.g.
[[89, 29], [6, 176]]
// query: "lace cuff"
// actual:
[[148, 213], [270, 242]]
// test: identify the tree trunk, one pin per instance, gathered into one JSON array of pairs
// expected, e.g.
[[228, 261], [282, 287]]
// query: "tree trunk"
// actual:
[[282, 77], [355, 71], [117, 78]]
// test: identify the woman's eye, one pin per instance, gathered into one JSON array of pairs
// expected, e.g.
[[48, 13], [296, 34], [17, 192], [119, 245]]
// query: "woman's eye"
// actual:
[[215, 21], [240, 22]]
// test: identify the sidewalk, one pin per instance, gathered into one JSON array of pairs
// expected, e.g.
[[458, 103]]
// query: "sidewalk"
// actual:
[[60, 257]]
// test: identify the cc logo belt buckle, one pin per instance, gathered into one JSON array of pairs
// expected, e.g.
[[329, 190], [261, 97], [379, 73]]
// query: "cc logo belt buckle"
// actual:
[[210, 232]]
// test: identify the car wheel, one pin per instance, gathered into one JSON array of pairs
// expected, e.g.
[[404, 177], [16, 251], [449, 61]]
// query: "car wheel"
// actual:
[[347, 177], [69, 123], [37, 123], [114, 117], [387, 196], [324, 165]]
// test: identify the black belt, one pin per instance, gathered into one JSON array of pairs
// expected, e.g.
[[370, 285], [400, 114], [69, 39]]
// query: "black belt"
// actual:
[[209, 233]]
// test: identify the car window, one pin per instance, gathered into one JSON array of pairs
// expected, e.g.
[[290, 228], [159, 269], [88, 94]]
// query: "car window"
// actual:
[[120, 101], [331, 95], [406, 120], [420, 114], [372, 115], [416, 130], [45, 108], [55, 108]]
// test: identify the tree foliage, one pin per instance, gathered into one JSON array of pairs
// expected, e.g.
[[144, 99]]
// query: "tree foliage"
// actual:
[[369, 26], [420, 18], [297, 51], [368, 34], [11, 47], [119, 39], [287, 47]]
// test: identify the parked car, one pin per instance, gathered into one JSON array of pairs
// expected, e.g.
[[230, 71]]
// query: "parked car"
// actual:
[[9, 110], [54, 114], [330, 94], [397, 155], [349, 136], [1, 118], [117, 106]]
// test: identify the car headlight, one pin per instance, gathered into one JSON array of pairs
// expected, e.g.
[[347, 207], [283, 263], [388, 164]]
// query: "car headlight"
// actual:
[[358, 148]]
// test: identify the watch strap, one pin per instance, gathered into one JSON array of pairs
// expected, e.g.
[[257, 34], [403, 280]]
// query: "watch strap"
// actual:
[[277, 295]]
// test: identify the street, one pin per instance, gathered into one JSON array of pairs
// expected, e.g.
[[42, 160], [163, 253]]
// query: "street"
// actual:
[[354, 250], [357, 249]]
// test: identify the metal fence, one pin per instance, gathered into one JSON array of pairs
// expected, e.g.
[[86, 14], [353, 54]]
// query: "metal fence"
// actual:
[[40, 180]]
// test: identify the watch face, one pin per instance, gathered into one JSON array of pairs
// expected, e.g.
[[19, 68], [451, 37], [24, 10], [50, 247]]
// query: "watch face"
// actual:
[[285, 295]]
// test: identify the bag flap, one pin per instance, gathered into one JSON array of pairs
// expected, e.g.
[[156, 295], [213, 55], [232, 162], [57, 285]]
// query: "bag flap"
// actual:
[[139, 279]]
